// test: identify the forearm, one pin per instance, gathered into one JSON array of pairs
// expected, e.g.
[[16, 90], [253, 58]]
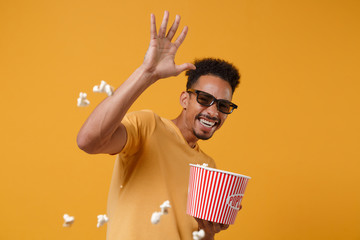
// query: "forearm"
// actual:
[[106, 117], [103, 132]]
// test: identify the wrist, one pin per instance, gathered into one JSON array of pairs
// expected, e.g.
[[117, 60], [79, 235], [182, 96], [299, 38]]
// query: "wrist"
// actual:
[[148, 74]]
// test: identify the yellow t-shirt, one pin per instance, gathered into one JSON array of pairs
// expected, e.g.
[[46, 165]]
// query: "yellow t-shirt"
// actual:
[[153, 167]]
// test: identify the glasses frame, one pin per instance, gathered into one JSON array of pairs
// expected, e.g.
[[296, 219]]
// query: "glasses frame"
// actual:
[[214, 100]]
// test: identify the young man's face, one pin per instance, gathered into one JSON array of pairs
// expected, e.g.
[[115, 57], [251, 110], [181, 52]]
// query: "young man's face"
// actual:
[[203, 121]]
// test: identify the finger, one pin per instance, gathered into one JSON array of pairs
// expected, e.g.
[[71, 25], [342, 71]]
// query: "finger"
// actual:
[[200, 223], [216, 227], [211, 229], [181, 37], [173, 28], [184, 67], [152, 26], [208, 226], [162, 30], [203, 224], [224, 226]]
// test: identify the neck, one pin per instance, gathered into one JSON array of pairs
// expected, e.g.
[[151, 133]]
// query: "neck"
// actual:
[[185, 131]]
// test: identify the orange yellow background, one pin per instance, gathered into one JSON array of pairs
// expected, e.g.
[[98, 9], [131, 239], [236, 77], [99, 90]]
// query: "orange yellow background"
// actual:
[[296, 132]]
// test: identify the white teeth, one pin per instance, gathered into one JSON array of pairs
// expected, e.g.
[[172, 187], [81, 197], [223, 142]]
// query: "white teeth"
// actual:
[[206, 123]]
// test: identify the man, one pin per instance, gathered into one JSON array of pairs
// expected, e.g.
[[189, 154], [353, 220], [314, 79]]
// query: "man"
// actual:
[[154, 153]]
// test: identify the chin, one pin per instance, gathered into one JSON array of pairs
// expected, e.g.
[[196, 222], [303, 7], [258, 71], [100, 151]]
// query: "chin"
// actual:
[[203, 136]]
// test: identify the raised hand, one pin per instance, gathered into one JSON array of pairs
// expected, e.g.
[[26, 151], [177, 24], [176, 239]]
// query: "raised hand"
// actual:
[[159, 59]]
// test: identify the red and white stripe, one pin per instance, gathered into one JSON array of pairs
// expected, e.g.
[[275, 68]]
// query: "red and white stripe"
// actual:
[[213, 193]]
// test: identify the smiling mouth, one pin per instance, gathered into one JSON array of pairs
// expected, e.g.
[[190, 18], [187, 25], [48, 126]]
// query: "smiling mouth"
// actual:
[[206, 123]]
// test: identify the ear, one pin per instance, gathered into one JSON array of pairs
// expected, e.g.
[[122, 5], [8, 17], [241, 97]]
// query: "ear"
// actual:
[[184, 99]]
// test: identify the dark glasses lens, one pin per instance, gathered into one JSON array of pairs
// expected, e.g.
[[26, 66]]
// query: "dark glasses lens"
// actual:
[[207, 100], [224, 106]]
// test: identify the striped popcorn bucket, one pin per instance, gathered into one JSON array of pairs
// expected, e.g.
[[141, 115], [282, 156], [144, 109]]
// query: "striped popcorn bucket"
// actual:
[[215, 195]]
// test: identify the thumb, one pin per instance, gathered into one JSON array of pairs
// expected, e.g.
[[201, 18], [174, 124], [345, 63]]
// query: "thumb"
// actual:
[[184, 67]]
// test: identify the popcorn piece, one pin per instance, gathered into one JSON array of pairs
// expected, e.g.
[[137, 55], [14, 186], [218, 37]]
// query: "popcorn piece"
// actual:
[[197, 235], [82, 101], [108, 90], [100, 88], [155, 217], [203, 165], [102, 219], [164, 207], [103, 88], [69, 220]]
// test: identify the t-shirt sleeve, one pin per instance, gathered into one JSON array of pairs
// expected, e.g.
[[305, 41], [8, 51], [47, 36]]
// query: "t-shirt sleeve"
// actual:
[[139, 125]]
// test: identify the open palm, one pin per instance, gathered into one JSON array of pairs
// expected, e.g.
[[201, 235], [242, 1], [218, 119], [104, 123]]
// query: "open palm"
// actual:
[[159, 59]]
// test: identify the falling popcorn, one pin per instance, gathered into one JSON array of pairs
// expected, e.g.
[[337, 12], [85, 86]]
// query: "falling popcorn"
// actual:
[[82, 101], [102, 219], [155, 217], [69, 220], [197, 235], [103, 88]]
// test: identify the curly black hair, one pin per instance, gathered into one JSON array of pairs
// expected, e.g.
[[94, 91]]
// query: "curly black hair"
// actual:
[[216, 67]]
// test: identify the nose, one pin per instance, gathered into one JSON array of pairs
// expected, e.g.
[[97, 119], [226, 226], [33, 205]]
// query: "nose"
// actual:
[[213, 111]]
